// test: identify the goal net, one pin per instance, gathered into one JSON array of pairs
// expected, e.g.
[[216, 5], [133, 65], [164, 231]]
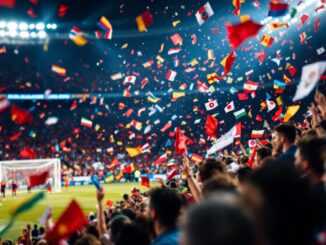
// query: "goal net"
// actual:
[[20, 170]]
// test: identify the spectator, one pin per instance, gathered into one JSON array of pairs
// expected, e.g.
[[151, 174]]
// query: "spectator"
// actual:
[[131, 234], [309, 160], [218, 223], [284, 141], [261, 155], [164, 209]]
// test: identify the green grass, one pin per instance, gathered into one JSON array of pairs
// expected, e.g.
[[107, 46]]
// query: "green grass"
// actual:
[[85, 196]]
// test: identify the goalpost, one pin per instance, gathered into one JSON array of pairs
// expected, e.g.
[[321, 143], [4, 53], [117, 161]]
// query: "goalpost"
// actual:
[[20, 170]]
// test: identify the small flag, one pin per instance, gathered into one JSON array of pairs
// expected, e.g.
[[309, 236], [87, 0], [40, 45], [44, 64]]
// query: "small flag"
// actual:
[[204, 13], [59, 70], [161, 159], [211, 105], [196, 158], [77, 36], [116, 76], [290, 112], [39, 179], [266, 40], [303, 37], [129, 79], [257, 134], [176, 39], [136, 125], [174, 50], [28, 153], [276, 8], [85, 122], [211, 78], [250, 86], [133, 151], [144, 21], [106, 26], [181, 142], [4, 103], [211, 126], [177, 94], [145, 181], [229, 107], [171, 75], [240, 113]]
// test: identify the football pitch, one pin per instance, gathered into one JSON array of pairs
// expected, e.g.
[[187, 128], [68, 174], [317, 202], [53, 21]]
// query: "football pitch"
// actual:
[[85, 196]]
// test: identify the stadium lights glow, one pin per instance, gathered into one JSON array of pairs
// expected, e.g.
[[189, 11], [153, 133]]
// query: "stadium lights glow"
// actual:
[[42, 34], [54, 26], [2, 24], [31, 26], [23, 26], [12, 25], [12, 33], [24, 34], [40, 26]]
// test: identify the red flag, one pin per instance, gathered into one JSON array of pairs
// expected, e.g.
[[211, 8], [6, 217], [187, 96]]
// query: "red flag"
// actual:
[[63, 9], [15, 136], [180, 143], [145, 181], [237, 34], [173, 172], [8, 3], [261, 55], [109, 203], [211, 126], [236, 4], [71, 220], [115, 163], [28, 153], [228, 64], [39, 179], [278, 113], [20, 116], [252, 157]]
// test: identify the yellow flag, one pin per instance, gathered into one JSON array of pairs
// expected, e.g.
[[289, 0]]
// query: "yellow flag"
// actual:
[[133, 151], [290, 112]]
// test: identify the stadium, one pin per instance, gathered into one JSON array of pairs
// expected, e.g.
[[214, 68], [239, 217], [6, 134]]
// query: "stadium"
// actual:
[[155, 122]]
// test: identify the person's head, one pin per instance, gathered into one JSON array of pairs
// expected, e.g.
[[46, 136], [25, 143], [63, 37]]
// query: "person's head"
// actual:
[[284, 135], [243, 160], [216, 222], [298, 136], [210, 167], [87, 240], [261, 155], [116, 225], [310, 133], [131, 234], [287, 200], [309, 156], [243, 174], [129, 213], [35, 226], [164, 207], [220, 182]]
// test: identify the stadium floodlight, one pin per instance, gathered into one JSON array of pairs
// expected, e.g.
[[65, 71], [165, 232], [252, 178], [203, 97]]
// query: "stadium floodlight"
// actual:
[[49, 26], [31, 26], [3, 24], [42, 34], [40, 26], [12, 33], [12, 25], [54, 26], [33, 34], [24, 34], [23, 26], [3, 33]]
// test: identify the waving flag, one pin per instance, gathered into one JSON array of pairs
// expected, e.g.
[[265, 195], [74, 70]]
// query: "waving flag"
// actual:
[[204, 13], [211, 105], [180, 143], [77, 36], [38, 179], [161, 159], [237, 5], [250, 86], [211, 126], [106, 26], [171, 75], [66, 225], [144, 21], [4, 103], [129, 79], [227, 63], [266, 40], [237, 34], [59, 70], [276, 8], [224, 141], [290, 112], [229, 107]]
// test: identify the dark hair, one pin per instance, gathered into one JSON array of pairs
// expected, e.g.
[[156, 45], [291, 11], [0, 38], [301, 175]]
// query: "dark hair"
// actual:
[[92, 230], [220, 182], [322, 124], [289, 199], [87, 240], [311, 150], [129, 213], [218, 223], [167, 204], [209, 167], [116, 225], [244, 173], [288, 130], [131, 234], [243, 160], [264, 152], [228, 160]]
